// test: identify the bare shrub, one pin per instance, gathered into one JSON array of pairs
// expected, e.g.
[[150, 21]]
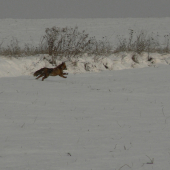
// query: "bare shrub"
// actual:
[[166, 48], [12, 49], [140, 43], [70, 42], [29, 49]]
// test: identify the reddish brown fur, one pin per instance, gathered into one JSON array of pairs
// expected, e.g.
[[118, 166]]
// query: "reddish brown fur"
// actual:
[[46, 72]]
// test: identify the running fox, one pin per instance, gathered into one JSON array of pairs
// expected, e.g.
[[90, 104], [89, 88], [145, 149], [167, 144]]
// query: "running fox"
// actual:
[[46, 72]]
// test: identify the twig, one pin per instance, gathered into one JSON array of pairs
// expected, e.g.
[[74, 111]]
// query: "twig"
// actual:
[[151, 160], [124, 165], [22, 125], [69, 154]]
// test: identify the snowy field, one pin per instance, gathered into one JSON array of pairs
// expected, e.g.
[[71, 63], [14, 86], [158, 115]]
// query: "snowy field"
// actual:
[[109, 114], [94, 121]]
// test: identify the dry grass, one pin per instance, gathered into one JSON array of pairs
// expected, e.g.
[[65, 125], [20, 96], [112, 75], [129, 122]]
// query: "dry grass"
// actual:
[[141, 42], [70, 42], [13, 49]]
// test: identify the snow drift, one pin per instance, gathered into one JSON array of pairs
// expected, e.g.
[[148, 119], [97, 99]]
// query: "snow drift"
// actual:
[[10, 67]]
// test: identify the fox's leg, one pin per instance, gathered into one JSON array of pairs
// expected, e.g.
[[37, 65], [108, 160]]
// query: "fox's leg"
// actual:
[[39, 76], [61, 75], [45, 76], [65, 73]]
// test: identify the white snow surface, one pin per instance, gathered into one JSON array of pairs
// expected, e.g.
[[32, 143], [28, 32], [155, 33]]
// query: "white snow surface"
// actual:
[[107, 120], [110, 113], [11, 66]]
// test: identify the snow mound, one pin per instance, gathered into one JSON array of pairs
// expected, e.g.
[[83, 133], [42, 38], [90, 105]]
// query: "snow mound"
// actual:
[[11, 67]]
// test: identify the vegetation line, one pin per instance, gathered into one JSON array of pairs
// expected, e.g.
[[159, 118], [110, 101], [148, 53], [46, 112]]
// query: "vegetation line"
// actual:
[[70, 42]]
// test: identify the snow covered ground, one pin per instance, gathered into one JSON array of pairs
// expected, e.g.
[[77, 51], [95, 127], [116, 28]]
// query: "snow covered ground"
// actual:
[[105, 120], [107, 115], [11, 66]]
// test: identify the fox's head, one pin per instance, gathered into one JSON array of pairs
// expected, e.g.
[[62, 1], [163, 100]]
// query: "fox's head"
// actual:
[[63, 66]]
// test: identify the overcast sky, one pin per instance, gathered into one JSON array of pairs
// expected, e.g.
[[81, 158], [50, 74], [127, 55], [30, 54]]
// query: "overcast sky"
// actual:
[[40, 9]]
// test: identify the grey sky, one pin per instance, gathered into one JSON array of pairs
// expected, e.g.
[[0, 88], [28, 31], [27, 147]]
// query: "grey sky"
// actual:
[[39, 9]]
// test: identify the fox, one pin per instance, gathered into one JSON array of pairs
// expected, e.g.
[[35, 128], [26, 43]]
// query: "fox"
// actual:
[[46, 72]]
